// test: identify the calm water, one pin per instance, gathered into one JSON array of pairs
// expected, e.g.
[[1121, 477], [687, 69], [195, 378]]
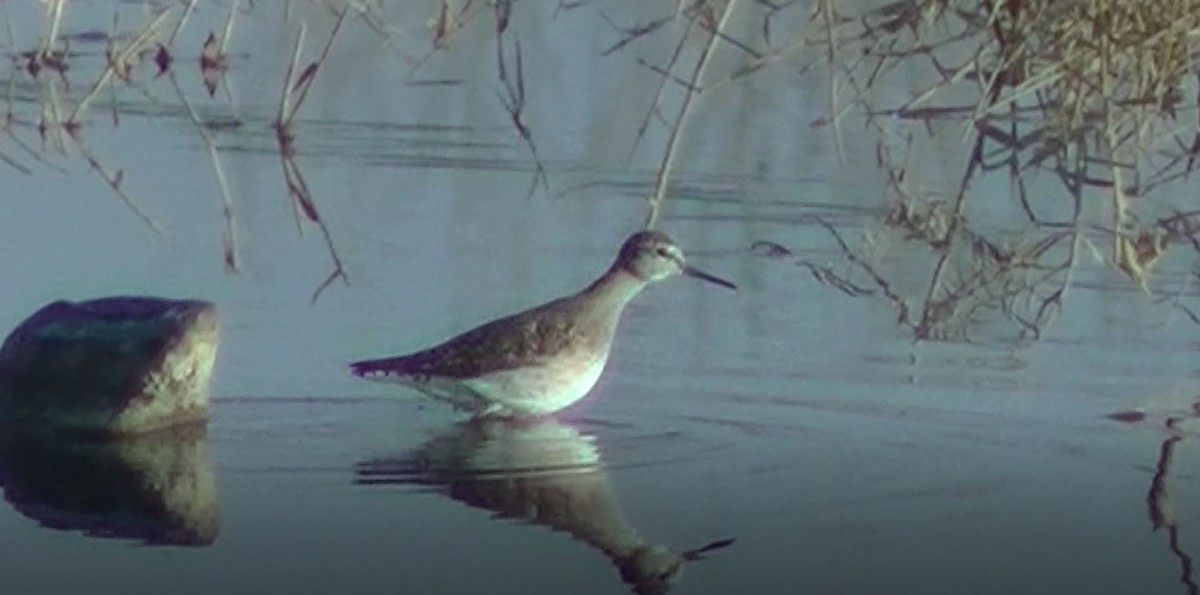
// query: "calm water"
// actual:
[[842, 457]]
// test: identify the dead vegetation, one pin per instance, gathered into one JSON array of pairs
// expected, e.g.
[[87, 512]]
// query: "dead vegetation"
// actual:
[[1098, 94], [296, 84], [60, 114], [58, 124], [137, 58]]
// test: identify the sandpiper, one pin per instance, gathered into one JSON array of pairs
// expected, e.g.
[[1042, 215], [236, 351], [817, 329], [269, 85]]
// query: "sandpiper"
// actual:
[[541, 360]]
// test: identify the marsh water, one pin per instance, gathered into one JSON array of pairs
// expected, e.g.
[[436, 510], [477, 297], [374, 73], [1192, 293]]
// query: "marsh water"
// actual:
[[842, 456]]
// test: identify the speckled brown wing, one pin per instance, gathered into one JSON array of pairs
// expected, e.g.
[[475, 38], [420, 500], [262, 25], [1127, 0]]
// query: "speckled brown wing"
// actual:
[[502, 344]]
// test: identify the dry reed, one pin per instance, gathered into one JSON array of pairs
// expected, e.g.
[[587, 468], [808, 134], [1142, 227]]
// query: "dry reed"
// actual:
[[1092, 91]]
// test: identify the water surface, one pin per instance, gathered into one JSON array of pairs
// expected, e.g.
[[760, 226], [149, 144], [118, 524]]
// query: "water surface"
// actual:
[[843, 457]]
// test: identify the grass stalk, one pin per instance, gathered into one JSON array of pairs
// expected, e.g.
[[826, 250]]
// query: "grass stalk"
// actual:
[[668, 159]]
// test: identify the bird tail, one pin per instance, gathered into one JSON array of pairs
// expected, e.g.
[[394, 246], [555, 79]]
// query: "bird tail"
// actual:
[[374, 367]]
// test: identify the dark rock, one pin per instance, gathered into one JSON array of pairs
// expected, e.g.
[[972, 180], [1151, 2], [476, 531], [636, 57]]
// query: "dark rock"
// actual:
[[111, 366]]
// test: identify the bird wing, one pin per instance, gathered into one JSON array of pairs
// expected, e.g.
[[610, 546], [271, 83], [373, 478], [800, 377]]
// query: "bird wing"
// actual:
[[516, 341]]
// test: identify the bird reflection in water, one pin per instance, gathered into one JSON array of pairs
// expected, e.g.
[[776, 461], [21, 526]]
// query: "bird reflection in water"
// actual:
[[544, 472], [158, 489]]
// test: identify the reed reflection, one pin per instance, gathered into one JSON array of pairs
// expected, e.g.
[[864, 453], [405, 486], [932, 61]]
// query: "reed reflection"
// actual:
[[542, 472], [158, 488], [1162, 513]]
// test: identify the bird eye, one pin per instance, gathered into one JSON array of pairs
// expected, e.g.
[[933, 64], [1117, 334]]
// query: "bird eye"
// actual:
[[663, 252]]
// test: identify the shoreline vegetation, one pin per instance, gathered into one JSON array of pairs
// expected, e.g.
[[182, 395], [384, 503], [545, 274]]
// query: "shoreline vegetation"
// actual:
[[1086, 109], [1097, 95]]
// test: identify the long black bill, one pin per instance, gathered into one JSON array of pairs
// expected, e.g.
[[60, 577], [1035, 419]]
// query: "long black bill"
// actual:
[[698, 553], [699, 274]]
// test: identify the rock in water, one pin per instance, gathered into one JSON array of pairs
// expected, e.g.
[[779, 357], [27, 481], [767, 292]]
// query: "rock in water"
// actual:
[[110, 366]]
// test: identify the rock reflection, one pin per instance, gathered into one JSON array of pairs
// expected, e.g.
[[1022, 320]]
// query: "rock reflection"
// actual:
[[543, 472], [1162, 514], [156, 488]]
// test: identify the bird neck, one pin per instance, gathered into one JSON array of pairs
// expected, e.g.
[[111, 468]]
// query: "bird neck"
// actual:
[[616, 286]]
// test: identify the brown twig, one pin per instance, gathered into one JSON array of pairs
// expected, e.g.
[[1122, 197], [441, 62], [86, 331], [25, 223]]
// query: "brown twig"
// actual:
[[114, 181], [291, 100], [229, 241], [120, 62], [668, 158], [513, 101]]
